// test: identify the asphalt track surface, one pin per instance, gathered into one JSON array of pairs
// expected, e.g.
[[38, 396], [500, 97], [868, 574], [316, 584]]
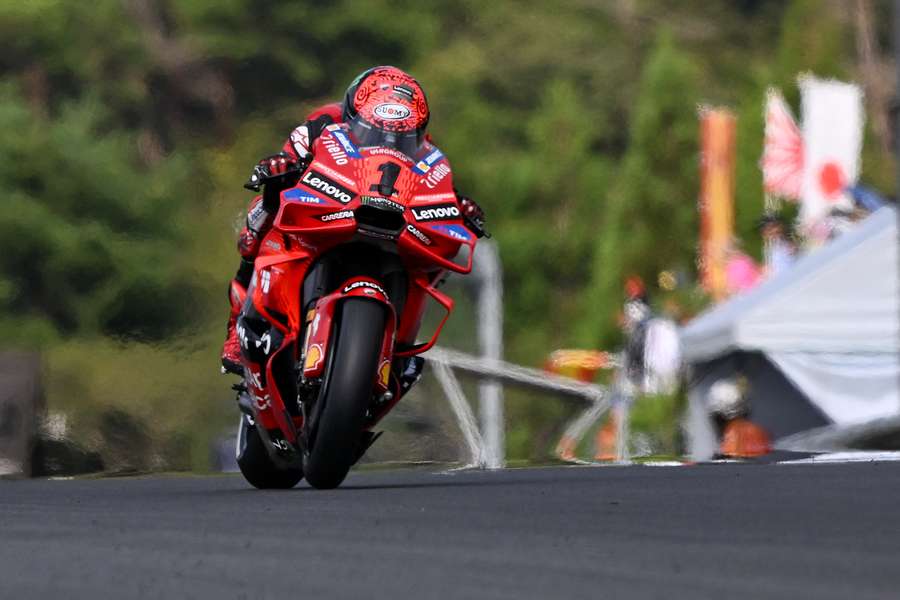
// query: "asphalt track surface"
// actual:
[[712, 531]]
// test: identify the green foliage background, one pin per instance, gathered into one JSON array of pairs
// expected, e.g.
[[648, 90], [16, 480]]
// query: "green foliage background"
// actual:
[[129, 126]]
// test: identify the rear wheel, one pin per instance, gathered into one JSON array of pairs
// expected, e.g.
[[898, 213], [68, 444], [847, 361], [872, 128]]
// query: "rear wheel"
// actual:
[[256, 465], [346, 393]]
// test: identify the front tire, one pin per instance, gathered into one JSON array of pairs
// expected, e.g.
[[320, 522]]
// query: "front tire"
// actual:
[[255, 464], [346, 393]]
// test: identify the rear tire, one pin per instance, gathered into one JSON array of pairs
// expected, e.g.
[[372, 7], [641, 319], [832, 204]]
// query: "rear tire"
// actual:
[[346, 393], [255, 464]]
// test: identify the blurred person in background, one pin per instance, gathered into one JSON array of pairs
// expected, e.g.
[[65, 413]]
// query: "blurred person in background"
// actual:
[[362, 114], [778, 249], [866, 198], [652, 357], [728, 404], [636, 314], [629, 378], [741, 272], [842, 220]]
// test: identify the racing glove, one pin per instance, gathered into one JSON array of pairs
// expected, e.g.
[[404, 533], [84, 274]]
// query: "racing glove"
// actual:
[[272, 169], [277, 172]]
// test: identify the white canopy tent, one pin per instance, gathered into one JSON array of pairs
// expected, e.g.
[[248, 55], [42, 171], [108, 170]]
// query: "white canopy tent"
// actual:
[[831, 324]]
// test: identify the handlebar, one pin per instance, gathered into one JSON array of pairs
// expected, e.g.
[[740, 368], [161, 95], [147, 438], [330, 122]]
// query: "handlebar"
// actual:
[[260, 176]]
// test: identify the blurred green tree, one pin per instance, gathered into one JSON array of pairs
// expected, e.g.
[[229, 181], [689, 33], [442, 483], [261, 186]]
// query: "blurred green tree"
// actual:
[[650, 219], [88, 243], [129, 126]]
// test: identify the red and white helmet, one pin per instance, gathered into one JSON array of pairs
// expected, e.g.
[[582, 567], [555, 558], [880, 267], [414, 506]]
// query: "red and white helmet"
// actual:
[[385, 106]]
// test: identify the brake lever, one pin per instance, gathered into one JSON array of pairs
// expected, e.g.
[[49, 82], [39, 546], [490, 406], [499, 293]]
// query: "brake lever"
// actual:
[[260, 177], [477, 227], [255, 181]]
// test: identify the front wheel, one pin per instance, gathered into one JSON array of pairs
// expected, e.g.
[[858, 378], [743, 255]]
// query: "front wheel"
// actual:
[[346, 393], [256, 465]]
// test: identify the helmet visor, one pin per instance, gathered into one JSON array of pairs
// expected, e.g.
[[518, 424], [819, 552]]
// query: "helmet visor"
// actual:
[[366, 134]]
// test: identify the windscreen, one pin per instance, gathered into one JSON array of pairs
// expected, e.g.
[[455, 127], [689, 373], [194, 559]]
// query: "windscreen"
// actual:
[[365, 134]]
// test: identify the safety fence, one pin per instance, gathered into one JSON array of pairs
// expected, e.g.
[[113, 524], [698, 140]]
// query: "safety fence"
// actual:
[[21, 404], [594, 399]]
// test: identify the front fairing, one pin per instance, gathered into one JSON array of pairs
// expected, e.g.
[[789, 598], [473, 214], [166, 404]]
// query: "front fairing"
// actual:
[[380, 195]]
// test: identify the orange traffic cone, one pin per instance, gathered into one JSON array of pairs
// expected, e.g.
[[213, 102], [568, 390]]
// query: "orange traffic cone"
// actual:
[[565, 449], [606, 439], [744, 439]]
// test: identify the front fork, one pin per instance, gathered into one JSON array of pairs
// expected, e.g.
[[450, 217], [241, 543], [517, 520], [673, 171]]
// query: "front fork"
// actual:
[[267, 352]]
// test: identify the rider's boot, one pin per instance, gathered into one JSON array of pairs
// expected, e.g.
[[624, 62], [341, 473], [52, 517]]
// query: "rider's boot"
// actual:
[[231, 349], [412, 372]]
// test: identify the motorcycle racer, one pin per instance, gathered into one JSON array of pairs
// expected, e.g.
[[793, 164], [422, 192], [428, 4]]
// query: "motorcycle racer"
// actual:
[[383, 106]]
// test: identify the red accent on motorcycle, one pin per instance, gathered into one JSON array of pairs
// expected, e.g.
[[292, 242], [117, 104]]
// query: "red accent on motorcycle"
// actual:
[[442, 299], [319, 329], [355, 210], [318, 333]]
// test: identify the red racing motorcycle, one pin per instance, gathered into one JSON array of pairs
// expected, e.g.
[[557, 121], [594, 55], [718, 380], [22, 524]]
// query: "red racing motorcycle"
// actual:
[[329, 329]]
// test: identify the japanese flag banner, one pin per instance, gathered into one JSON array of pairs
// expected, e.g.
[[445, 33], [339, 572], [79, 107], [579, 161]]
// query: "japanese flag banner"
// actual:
[[832, 140], [782, 159]]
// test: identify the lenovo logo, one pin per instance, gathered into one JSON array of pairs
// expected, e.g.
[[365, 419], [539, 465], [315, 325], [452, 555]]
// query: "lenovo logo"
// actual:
[[437, 212], [326, 186]]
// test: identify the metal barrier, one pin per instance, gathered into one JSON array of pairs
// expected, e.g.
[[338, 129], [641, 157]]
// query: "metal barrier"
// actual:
[[21, 405], [593, 397]]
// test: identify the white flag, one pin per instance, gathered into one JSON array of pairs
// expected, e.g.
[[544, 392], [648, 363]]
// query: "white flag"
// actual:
[[832, 136]]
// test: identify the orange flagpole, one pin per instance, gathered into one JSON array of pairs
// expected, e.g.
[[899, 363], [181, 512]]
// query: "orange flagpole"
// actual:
[[717, 139]]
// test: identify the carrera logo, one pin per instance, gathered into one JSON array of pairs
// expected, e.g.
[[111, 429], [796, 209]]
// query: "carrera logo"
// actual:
[[436, 213], [391, 112], [344, 214], [368, 285], [419, 235], [330, 188], [384, 203]]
